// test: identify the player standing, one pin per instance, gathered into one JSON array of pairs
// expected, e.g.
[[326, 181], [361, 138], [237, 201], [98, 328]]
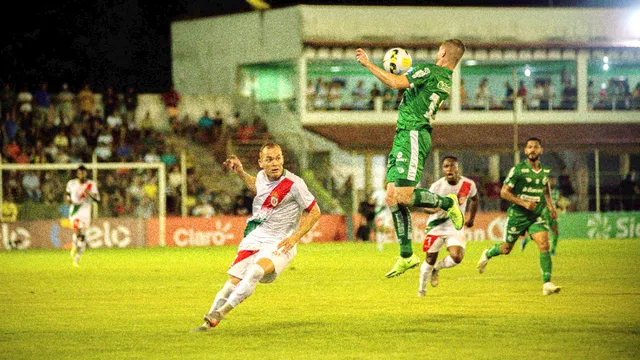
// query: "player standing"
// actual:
[[551, 222], [80, 192], [427, 87], [271, 234], [526, 188], [440, 230]]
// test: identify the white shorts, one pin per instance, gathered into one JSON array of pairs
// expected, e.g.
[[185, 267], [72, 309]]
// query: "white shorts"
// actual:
[[433, 243], [81, 219], [249, 255]]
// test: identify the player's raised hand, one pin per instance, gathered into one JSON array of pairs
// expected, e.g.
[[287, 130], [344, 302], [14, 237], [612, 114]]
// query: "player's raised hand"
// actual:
[[361, 56], [234, 164]]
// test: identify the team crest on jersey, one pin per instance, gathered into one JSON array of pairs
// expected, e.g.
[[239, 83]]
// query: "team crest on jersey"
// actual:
[[274, 199]]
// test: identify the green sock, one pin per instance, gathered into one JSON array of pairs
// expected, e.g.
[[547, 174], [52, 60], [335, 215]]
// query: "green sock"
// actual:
[[425, 198], [545, 266], [402, 224], [493, 251]]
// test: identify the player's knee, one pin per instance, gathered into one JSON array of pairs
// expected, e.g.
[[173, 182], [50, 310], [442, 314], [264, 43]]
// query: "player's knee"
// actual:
[[457, 258], [507, 249]]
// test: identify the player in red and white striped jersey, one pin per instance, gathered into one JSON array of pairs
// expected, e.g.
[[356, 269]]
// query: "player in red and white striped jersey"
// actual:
[[440, 230], [283, 212], [80, 192]]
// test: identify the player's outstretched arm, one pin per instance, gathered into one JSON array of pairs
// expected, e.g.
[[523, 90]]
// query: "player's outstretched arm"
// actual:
[[235, 165], [306, 223], [391, 80], [473, 209], [506, 194]]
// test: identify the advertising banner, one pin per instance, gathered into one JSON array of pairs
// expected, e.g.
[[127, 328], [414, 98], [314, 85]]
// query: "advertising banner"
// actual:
[[610, 225], [57, 234], [229, 230]]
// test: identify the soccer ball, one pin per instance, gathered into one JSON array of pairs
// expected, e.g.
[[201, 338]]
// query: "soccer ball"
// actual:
[[397, 61]]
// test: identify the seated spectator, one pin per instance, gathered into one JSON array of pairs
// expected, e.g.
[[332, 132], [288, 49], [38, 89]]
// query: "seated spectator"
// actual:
[[168, 156], [171, 100], [12, 150], [310, 94], [359, 96], [105, 137], [548, 95], [114, 121], [522, 93], [509, 96], [10, 126], [62, 157], [107, 190], [65, 100], [86, 99], [78, 141], [31, 186], [9, 209], [52, 188], [483, 99], [23, 158], [569, 97], [536, 95], [204, 209], [152, 156], [76, 156], [134, 193], [335, 96], [322, 93], [25, 100], [103, 152], [123, 150], [51, 151], [44, 103], [61, 140], [118, 208]]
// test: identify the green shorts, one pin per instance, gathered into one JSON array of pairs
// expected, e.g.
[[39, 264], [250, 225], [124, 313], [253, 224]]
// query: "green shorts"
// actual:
[[408, 154], [518, 224]]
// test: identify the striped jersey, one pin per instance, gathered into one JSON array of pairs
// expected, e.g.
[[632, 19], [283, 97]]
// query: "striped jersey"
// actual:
[[76, 191], [439, 222], [277, 206]]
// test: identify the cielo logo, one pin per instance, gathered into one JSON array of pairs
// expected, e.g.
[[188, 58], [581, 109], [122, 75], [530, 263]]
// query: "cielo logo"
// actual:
[[18, 238], [190, 237], [598, 227]]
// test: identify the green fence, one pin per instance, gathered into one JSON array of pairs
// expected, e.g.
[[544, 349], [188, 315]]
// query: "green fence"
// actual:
[[590, 225]]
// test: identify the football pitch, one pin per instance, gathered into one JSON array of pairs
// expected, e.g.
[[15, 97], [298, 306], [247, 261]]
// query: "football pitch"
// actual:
[[332, 303]]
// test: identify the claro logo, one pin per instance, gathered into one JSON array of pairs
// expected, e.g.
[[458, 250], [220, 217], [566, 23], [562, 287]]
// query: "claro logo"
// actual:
[[190, 237], [18, 238]]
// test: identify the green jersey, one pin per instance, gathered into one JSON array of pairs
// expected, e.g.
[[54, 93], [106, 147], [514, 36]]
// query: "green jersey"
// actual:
[[528, 184], [430, 86], [555, 196]]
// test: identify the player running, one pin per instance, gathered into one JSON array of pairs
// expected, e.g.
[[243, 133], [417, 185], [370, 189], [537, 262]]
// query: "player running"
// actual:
[[526, 188], [80, 192], [427, 87], [271, 234], [440, 230], [551, 223]]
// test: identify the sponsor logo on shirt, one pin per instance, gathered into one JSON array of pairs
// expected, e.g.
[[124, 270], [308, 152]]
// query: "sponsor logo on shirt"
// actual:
[[444, 87], [421, 73]]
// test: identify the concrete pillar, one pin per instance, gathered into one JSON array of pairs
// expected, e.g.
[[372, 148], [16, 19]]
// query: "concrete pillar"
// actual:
[[582, 65], [494, 167], [368, 174]]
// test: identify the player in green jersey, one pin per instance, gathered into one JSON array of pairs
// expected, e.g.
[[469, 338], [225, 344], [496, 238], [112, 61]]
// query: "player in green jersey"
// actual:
[[552, 223], [426, 87], [527, 189]]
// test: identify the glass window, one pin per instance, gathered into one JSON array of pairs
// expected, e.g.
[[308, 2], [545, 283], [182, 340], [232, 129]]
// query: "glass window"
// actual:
[[543, 85], [613, 84]]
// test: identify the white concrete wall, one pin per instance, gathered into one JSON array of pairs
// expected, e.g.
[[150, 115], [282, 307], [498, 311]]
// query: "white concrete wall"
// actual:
[[483, 24], [206, 52]]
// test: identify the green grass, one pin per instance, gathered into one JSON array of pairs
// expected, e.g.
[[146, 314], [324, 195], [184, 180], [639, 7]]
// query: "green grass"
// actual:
[[332, 303]]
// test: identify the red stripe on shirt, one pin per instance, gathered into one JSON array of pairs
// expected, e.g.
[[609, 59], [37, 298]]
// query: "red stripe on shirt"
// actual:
[[313, 203], [277, 194], [465, 189]]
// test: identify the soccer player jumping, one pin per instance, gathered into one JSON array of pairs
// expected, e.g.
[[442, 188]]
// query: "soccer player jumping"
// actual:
[[427, 87], [527, 189], [271, 234], [80, 192]]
